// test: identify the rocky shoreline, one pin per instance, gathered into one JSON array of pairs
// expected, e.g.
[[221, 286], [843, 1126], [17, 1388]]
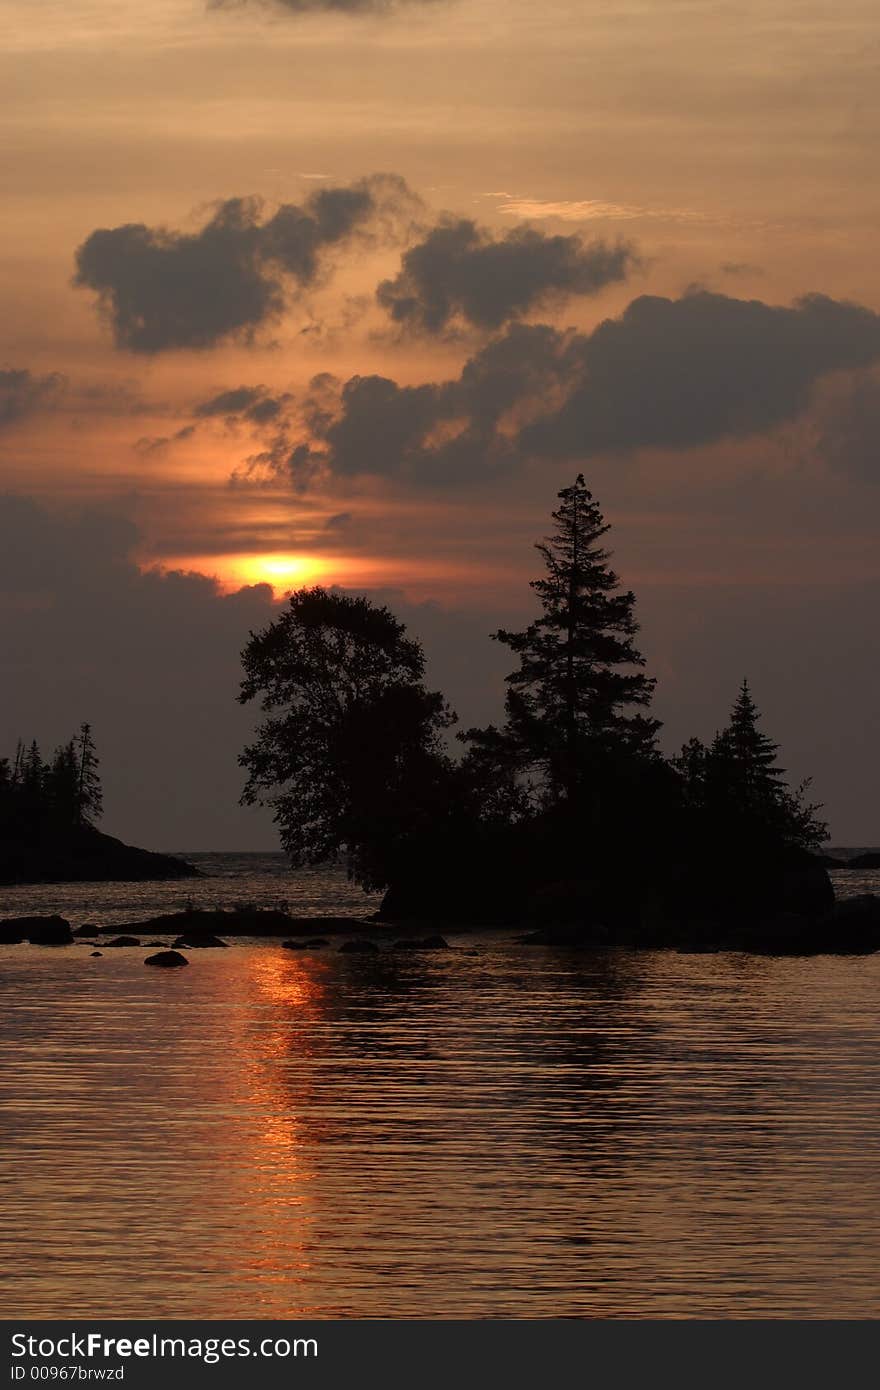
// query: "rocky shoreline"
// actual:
[[851, 928]]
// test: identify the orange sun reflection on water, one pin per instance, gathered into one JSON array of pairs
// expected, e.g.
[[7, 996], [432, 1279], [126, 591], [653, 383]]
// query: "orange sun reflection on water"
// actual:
[[284, 1001]]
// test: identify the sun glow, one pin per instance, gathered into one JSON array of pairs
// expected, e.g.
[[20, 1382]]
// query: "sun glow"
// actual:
[[283, 571]]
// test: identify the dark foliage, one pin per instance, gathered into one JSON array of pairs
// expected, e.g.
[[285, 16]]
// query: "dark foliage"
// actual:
[[350, 754], [47, 798]]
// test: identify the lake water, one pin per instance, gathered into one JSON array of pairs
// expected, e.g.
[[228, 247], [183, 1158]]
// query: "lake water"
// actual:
[[491, 1131]]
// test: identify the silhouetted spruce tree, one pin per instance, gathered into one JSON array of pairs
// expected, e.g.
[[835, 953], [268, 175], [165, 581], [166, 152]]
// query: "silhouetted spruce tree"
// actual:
[[572, 702], [743, 783], [349, 754], [89, 796]]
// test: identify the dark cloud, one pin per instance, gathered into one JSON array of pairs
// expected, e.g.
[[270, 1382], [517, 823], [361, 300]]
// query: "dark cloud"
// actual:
[[255, 404], [848, 428], [666, 374], [460, 273], [160, 444], [23, 393], [163, 289], [680, 373]]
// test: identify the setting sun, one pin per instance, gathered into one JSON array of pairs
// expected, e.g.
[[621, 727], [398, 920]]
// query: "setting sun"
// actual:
[[283, 572]]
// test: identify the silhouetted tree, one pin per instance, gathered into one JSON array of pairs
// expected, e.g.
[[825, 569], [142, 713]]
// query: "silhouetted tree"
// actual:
[[739, 786], [61, 783], [350, 754], [89, 797], [572, 702]]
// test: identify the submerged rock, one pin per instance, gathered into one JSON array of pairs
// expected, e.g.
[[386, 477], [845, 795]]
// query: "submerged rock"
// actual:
[[191, 942], [167, 960], [359, 945], [425, 943], [592, 938], [123, 941], [244, 921]]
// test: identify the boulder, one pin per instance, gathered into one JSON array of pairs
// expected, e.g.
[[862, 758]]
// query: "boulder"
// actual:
[[87, 929], [97, 953], [197, 940], [359, 945], [39, 931], [123, 941], [167, 960], [53, 932]]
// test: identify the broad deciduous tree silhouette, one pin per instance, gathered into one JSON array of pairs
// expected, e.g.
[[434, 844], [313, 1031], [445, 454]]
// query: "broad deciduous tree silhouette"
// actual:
[[350, 753]]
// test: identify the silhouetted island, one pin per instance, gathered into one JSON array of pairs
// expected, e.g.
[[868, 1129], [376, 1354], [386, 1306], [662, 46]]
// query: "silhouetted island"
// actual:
[[567, 817], [47, 814]]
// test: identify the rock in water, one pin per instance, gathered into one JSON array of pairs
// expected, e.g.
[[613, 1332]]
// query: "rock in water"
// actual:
[[295, 945], [123, 941], [359, 946], [188, 943], [167, 959], [97, 953], [39, 931]]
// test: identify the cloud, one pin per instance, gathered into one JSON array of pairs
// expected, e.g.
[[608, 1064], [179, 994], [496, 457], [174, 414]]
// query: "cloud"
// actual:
[[668, 373], [160, 444], [847, 435], [23, 393], [162, 289], [460, 272], [577, 210], [690, 371], [318, 6], [255, 404]]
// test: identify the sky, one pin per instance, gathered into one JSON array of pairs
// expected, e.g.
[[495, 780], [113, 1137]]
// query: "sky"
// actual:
[[325, 291]]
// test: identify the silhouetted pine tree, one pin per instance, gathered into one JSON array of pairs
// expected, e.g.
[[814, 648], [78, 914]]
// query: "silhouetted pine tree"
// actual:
[[89, 797], [570, 703], [742, 781]]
